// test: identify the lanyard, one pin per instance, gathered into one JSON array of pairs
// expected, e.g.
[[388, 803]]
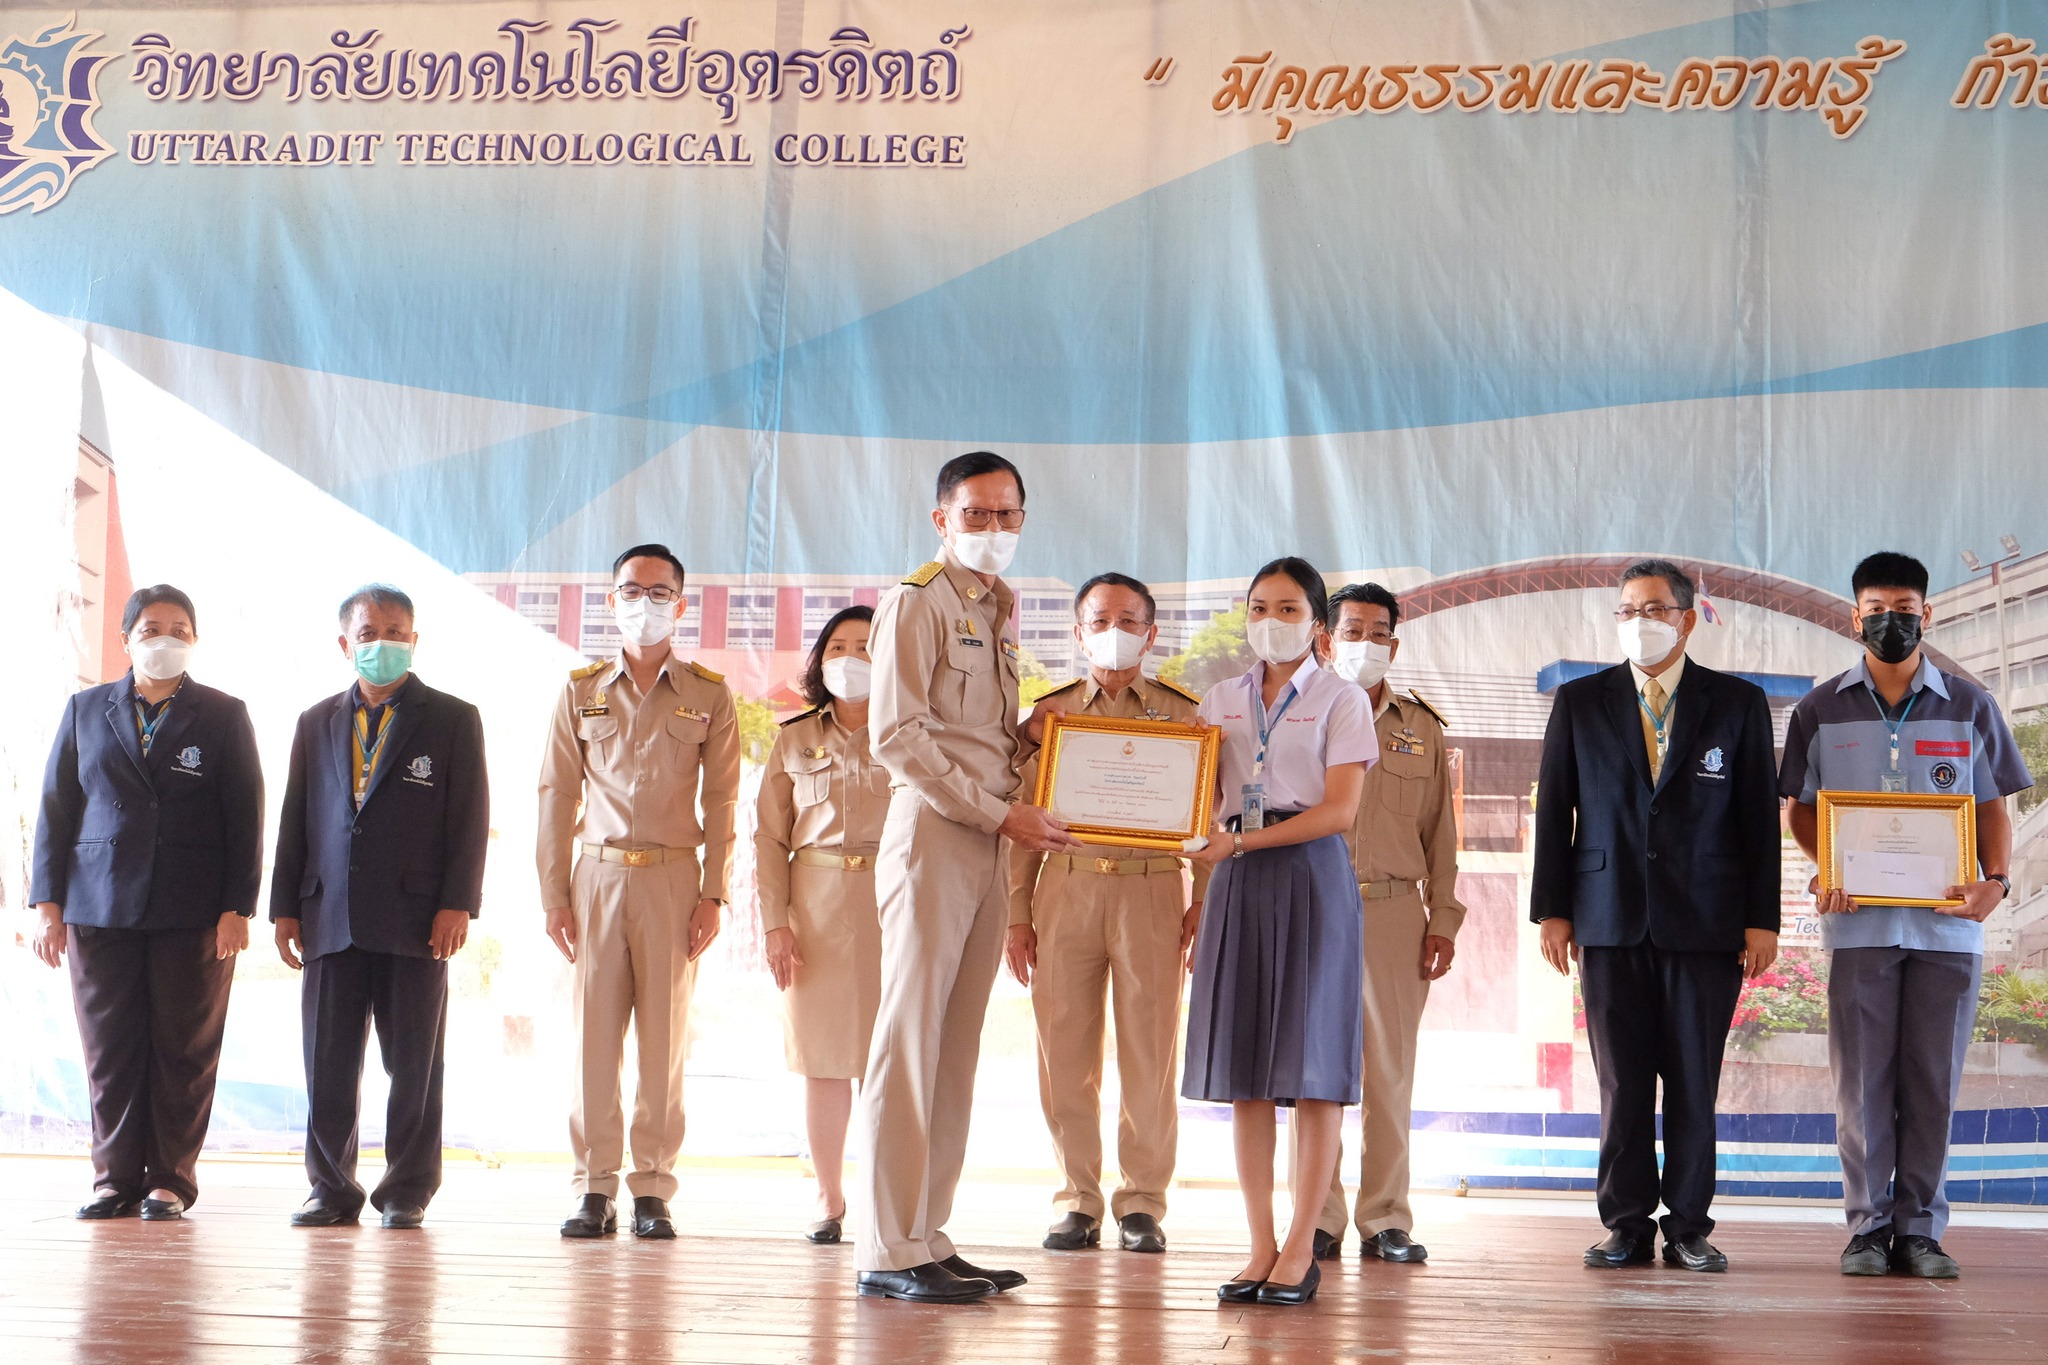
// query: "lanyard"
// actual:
[[145, 727], [368, 747], [1894, 725], [1266, 724], [1657, 719]]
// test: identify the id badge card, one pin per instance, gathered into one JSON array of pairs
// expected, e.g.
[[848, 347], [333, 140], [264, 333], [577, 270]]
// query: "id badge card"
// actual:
[[1891, 782], [1252, 811]]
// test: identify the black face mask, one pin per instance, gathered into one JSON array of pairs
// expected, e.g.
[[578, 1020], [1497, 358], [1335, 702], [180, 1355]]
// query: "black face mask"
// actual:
[[1892, 635]]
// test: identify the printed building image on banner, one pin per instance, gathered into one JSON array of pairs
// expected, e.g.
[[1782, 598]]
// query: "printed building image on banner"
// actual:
[[1477, 303]]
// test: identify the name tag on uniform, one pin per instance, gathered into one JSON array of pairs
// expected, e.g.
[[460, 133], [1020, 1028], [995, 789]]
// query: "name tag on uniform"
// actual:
[[966, 640], [594, 711], [687, 714]]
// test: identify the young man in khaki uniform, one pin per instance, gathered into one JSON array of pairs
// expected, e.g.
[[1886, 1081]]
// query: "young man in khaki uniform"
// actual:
[[1404, 848], [648, 747], [943, 720], [1110, 918]]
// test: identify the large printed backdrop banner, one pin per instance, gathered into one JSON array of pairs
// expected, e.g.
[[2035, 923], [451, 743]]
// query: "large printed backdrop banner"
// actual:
[[1476, 300]]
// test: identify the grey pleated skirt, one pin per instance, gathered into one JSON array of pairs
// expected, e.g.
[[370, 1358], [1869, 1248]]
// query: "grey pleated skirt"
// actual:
[[1277, 1010]]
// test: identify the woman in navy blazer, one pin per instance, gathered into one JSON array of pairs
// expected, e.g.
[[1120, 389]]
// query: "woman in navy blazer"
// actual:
[[148, 854]]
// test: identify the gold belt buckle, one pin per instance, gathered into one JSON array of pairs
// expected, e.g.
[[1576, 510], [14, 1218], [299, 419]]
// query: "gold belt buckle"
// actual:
[[1106, 866], [639, 857], [856, 862]]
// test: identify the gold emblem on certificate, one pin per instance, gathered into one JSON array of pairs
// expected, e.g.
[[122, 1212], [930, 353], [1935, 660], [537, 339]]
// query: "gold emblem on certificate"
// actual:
[[1897, 848], [1128, 783]]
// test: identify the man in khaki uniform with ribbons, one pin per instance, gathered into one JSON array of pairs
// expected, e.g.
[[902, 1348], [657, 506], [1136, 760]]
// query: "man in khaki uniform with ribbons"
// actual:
[[642, 771], [1404, 847], [1107, 918], [943, 720]]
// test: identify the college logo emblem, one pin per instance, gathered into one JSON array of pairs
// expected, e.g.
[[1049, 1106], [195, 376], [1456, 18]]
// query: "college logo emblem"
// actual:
[[188, 757], [1944, 775], [421, 767], [1713, 762], [49, 91]]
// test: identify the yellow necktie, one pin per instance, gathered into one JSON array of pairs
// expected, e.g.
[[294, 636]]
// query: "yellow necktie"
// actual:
[[1653, 694]]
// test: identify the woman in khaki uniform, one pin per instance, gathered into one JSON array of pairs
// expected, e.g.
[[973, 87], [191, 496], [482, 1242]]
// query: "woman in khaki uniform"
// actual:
[[823, 799]]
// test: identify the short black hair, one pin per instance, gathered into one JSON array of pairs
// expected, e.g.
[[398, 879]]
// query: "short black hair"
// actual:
[[1369, 594], [811, 686], [661, 552], [1303, 573], [1116, 580], [381, 594], [156, 594], [1675, 578], [1889, 569], [974, 464]]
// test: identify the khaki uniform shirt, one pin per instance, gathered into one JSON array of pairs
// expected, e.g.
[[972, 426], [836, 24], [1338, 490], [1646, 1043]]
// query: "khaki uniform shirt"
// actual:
[[943, 714], [1148, 699], [655, 771], [820, 789], [1406, 830]]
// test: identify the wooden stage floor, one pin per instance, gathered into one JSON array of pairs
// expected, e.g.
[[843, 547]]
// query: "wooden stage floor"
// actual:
[[488, 1279]]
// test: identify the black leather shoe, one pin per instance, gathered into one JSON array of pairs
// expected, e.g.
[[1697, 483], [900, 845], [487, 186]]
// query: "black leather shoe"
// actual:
[[1239, 1291], [315, 1214], [1694, 1253], [1140, 1232], [1074, 1232], [108, 1206], [1001, 1279], [1618, 1249], [1329, 1246], [1393, 1244], [163, 1210], [398, 1215], [1868, 1253], [825, 1232], [594, 1217], [1923, 1258], [650, 1219], [1291, 1294], [927, 1283]]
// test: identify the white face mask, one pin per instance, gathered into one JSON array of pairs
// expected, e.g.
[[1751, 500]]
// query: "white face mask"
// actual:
[[1646, 642], [1113, 650], [1277, 641], [1364, 662], [985, 551], [160, 658], [847, 678], [644, 622]]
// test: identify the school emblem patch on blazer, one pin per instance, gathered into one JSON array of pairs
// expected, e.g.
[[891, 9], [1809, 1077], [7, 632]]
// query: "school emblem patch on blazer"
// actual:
[[1713, 762], [421, 768], [188, 757]]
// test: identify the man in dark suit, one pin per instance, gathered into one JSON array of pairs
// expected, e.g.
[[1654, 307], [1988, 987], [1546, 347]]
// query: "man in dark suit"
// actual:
[[380, 868], [1657, 853]]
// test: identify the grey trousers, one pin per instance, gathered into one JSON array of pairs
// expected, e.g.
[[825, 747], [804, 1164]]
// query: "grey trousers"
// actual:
[[1899, 1020]]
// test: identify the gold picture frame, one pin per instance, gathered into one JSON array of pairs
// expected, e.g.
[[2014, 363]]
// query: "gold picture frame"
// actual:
[[1106, 791], [1839, 810]]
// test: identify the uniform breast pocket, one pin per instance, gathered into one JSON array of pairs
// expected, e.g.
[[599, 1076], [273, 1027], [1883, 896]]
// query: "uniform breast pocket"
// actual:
[[811, 781], [600, 736], [968, 674], [686, 736], [1402, 780]]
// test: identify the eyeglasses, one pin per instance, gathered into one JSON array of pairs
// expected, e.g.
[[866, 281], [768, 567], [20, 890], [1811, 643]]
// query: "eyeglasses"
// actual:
[[1655, 611], [978, 518], [633, 592]]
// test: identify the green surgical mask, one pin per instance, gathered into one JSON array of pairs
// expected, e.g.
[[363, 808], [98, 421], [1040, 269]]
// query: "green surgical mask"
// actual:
[[382, 662]]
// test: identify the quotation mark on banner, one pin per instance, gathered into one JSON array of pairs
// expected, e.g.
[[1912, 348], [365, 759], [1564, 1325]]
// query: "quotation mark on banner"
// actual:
[[1160, 69]]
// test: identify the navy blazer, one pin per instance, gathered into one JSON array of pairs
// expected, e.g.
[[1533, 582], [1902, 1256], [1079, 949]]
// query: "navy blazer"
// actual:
[[170, 842], [374, 878], [1688, 864]]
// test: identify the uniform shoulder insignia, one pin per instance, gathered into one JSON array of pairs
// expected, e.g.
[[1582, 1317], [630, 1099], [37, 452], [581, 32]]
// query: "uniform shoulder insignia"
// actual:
[[925, 574], [587, 671], [706, 674], [1416, 697], [1176, 687], [802, 716], [1063, 687]]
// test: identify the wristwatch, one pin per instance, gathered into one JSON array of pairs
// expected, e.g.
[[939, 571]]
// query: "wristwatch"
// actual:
[[1238, 840], [2003, 881]]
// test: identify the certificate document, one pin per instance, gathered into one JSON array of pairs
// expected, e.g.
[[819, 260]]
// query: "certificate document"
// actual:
[[1132, 783], [1897, 848]]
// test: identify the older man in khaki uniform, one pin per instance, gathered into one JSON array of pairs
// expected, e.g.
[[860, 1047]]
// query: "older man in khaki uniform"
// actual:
[[1404, 847], [642, 770], [1109, 919], [943, 720]]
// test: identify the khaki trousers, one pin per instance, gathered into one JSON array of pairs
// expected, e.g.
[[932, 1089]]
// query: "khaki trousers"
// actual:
[[1394, 996], [944, 902], [632, 965], [1120, 934]]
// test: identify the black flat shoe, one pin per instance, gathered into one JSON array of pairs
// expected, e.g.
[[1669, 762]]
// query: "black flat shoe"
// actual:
[[1694, 1253], [825, 1232], [927, 1283], [108, 1206], [1140, 1232], [1618, 1249], [651, 1222], [1291, 1294], [1001, 1279], [1239, 1291], [1328, 1247], [404, 1215], [163, 1210], [595, 1216], [1074, 1232], [1394, 1245], [314, 1214]]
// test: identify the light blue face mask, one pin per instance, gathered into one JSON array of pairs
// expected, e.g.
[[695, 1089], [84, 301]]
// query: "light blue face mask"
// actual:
[[381, 663]]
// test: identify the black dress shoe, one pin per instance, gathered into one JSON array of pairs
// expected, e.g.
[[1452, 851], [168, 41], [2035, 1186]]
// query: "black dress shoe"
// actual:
[[1001, 1279], [108, 1206], [163, 1210], [594, 1217], [650, 1219], [825, 1232], [398, 1215], [1328, 1246], [1393, 1244], [315, 1214], [927, 1283], [1074, 1232], [1923, 1258], [1694, 1253], [1140, 1232], [1291, 1294], [1239, 1291], [1618, 1249]]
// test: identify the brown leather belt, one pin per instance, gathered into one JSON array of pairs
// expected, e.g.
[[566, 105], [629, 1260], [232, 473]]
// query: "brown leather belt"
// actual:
[[845, 862], [1112, 867], [636, 857], [1384, 891]]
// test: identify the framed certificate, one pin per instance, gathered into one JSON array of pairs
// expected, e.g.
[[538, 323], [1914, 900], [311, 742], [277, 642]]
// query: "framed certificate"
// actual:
[[1897, 848], [1131, 783]]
